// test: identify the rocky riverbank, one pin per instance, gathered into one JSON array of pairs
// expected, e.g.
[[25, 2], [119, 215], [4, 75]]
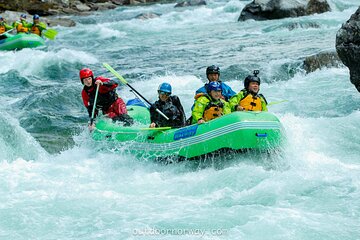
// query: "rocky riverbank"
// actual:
[[54, 11]]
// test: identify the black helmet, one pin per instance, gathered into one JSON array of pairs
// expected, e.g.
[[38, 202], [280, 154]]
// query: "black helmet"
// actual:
[[212, 69], [252, 78]]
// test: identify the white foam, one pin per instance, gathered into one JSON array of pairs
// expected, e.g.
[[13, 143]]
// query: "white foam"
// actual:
[[16, 143], [29, 62]]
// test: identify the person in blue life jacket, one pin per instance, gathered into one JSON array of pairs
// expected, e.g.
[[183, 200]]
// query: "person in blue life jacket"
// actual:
[[213, 75], [249, 99], [170, 105], [210, 105]]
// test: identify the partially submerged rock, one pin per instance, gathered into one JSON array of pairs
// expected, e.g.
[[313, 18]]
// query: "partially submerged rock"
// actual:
[[277, 9], [189, 3], [321, 60], [148, 15], [295, 25]]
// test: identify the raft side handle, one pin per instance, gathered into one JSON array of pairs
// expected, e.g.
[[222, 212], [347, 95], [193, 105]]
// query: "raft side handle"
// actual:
[[261, 135]]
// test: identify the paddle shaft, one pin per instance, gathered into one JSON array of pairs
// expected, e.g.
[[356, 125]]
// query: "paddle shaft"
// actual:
[[137, 96], [6, 31], [108, 67], [155, 129], [94, 107], [160, 112]]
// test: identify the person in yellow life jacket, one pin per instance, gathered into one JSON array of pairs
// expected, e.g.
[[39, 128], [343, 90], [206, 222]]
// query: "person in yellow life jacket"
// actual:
[[3, 26], [249, 99], [37, 27], [211, 105], [22, 26]]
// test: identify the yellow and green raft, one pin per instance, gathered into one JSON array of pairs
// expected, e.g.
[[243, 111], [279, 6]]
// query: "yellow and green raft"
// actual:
[[236, 131]]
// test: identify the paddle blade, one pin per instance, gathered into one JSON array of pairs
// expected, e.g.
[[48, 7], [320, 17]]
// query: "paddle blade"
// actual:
[[273, 103], [50, 33], [116, 74]]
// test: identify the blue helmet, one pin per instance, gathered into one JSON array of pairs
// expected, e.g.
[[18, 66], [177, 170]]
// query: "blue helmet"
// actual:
[[165, 87], [23, 15], [1, 18], [36, 17], [216, 86]]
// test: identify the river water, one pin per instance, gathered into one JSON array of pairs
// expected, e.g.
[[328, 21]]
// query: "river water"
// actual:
[[54, 184]]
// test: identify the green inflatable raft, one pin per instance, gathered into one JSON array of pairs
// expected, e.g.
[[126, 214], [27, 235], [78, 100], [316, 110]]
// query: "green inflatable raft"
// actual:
[[20, 41], [235, 131]]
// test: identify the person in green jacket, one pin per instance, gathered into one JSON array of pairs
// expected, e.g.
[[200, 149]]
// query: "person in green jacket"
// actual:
[[37, 27], [210, 106], [3, 26], [22, 26], [249, 99]]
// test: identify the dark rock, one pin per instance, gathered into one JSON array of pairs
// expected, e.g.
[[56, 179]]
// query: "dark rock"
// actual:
[[317, 6], [321, 60], [348, 47], [102, 6], [30, 6], [276, 9], [191, 3], [136, 2], [81, 7], [149, 15], [57, 21], [118, 2], [94, 1], [295, 25]]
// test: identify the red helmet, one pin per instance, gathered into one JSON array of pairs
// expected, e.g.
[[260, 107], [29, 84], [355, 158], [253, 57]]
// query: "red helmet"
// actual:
[[85, 73]]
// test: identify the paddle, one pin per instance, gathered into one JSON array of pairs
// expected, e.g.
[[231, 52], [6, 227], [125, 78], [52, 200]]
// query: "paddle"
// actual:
[[94, 107], [137, 96], [116, 74], [155, 129], [50, 33], [273, 103], [6, 31]]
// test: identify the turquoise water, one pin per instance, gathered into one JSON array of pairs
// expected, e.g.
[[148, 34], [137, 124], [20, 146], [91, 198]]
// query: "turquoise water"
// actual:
[[55, 185]]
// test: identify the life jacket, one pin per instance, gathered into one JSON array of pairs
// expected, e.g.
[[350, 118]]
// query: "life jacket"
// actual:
[[2, 29], [171, 110], [21, 29], [251, 102], [104, 100], [199, 95], [212, 110], [35, 30]]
